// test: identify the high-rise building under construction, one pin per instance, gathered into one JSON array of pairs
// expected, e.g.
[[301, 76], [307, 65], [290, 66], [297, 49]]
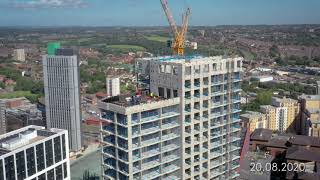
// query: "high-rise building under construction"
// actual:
[[203, 140]]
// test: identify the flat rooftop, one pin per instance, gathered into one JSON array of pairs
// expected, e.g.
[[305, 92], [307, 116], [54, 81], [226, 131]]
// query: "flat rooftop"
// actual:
[[183, 59], [284, 140], [24, 136], [132, 100], [251, 114], [310, 97], [284, 100]]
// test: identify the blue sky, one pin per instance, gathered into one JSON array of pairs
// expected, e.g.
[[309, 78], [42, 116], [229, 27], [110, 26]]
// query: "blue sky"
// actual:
[[150, 13]]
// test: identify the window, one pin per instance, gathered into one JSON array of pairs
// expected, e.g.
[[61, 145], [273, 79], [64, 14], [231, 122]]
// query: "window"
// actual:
[[168, 69], [57, 149], [196, 69], [59, 172], [206, 68], [30, 162], [40, 157], [168, 93], [49, 153], [238, 64], [175, 93], [9, 167], [161, 91], [64, 146], [21, 173], [188, 71], [214, 66], [50, 175], [162, 68], [175, 70], [1, 170]]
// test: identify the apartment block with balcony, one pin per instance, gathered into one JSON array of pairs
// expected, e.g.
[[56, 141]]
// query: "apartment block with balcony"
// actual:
[[208, 89], [141, 137]]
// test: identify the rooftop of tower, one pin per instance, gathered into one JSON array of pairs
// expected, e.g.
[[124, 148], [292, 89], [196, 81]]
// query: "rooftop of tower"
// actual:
[[186, 59], [128, 100], [24, 136]]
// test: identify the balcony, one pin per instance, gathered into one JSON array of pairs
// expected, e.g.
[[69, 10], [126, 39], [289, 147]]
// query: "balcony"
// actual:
[[216, 82], [235, 175], [150, 141], [215, 173], [150, 118], [170, 168], [237, 110], [197, 118], [187, 85], [233, 148], [135, 157], [109, 152], [170, 125], [136, 169], [109, 129], [151, 175], [171, 177], [169, 136], [150, 153], [187, 96], [150, 164], [215, 115], [169, 158], [214, 154], [169, 147], [196, 84], [216, 93], [150, 130], [187, 121], [111, 173], [214, 164], [217, 104], [169, 114]]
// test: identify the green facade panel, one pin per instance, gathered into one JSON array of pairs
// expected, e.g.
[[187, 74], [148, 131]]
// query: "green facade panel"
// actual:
[[52, 47]]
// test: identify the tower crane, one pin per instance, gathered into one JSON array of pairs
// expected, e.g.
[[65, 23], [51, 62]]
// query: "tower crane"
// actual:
[[179, 42]]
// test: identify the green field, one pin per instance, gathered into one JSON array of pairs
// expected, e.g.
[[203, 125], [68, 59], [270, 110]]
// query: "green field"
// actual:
[[15, 94], [126, 47], [157, 38]]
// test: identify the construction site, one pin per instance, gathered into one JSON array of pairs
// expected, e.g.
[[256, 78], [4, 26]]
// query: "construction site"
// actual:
[[183, 121]]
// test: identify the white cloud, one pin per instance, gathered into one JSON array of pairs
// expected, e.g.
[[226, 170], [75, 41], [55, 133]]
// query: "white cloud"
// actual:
[[36, 4]]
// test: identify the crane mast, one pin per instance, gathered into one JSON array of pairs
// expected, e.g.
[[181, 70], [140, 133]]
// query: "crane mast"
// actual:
[[178, 44]]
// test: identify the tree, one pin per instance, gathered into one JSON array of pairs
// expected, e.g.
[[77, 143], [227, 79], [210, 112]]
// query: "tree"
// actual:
[[264, 98], [274, 51], [2, 85]]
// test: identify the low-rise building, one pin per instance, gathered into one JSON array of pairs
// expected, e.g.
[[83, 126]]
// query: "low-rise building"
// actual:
[[34, 152], [301, 152], [263, 78], [253, 120], [17, 113]]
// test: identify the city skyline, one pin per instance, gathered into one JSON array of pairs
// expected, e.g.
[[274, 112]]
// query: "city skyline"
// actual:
[[102, 13]]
